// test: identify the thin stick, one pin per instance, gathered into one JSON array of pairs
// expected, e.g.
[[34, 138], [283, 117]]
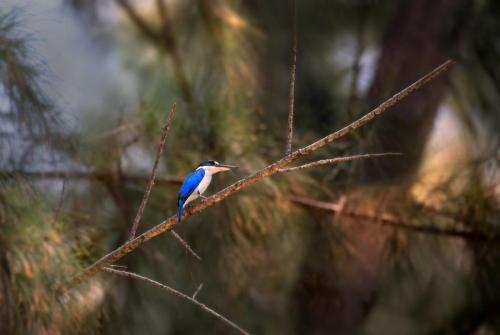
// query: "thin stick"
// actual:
[[390, 220], [152, 177], [337, 160], [197, 291], [185, 244], [270, 170], [293, 68], [178, 294]]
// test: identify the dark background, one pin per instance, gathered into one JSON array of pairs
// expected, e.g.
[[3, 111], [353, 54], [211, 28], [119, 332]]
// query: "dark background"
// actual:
[[85, 87]]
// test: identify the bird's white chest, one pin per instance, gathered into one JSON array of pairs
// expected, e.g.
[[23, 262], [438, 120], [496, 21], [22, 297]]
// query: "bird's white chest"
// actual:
[[201, 188], [204, 182]]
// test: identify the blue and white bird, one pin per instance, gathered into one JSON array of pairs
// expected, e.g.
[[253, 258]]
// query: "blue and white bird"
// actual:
[[197, 182]]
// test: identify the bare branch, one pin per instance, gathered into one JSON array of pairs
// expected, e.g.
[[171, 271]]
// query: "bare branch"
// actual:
[[293, 68], [390, 220], [152, 177], [270, 170], [185, 244], [197, 291], [337, 160], [178, 294]]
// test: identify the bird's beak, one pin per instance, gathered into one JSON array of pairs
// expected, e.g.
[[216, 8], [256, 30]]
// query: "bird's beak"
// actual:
[[225, 167]]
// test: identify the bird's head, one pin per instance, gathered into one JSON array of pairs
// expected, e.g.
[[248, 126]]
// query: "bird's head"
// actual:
[[215, 167]]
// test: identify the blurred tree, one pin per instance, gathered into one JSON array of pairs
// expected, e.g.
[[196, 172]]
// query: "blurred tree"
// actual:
[[267, 265]]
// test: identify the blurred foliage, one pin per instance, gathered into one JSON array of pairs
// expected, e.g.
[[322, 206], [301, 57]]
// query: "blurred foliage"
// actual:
[[268, 264]]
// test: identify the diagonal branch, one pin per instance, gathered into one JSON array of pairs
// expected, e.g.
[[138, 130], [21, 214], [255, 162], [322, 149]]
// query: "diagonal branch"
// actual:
[[293, 68], [145, 29], [270, 170], [185, 244], [152, 177], [178, 294], [337, 160], [163, 38]]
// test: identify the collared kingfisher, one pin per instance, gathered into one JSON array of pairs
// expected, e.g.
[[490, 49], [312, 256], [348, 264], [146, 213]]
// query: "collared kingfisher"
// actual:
[[197, 182]]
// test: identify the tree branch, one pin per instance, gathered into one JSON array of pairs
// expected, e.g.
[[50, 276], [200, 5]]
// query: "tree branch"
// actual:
[[178, 294], [145, 29], [97, 175], [293, 68], [337, 160], [390, 220], [270, 170], [152, 177], [185, 244], [164, 39]]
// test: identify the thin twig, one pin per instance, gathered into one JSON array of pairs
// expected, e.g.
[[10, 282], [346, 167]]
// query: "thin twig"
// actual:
[[390, 220], [293, 68], [270, 170], [185, 244], [151, 182], [178, 294], [337, 160], [197, 291]]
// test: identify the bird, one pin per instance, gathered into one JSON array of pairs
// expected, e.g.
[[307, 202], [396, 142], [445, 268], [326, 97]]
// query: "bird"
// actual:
[[197, 181]]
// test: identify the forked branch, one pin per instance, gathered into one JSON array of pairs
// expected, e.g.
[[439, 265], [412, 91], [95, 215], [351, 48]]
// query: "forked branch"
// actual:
[[270, 170]]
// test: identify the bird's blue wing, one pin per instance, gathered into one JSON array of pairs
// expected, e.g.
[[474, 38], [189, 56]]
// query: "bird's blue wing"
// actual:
[[188, 186]]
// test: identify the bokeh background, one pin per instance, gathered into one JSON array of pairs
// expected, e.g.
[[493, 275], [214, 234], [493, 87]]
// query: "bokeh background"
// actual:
[[86, 85]]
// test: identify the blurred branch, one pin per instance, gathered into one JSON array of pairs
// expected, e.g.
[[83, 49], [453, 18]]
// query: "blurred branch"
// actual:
[[170, 45], [178, 294], [163, 38], [293, 68], [337, 160], [85, 175], [151, 182], [143, 27], [270, 170], [186, 246], [391, 220]]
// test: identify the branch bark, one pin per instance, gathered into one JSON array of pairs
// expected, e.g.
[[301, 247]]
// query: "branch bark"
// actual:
[[152, 177], [178, 294], [270, 170]]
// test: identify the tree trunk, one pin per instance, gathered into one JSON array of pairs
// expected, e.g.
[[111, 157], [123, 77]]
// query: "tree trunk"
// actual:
[[421, 35]]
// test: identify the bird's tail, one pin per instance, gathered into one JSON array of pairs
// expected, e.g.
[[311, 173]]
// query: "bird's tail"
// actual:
[[180, 204]]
